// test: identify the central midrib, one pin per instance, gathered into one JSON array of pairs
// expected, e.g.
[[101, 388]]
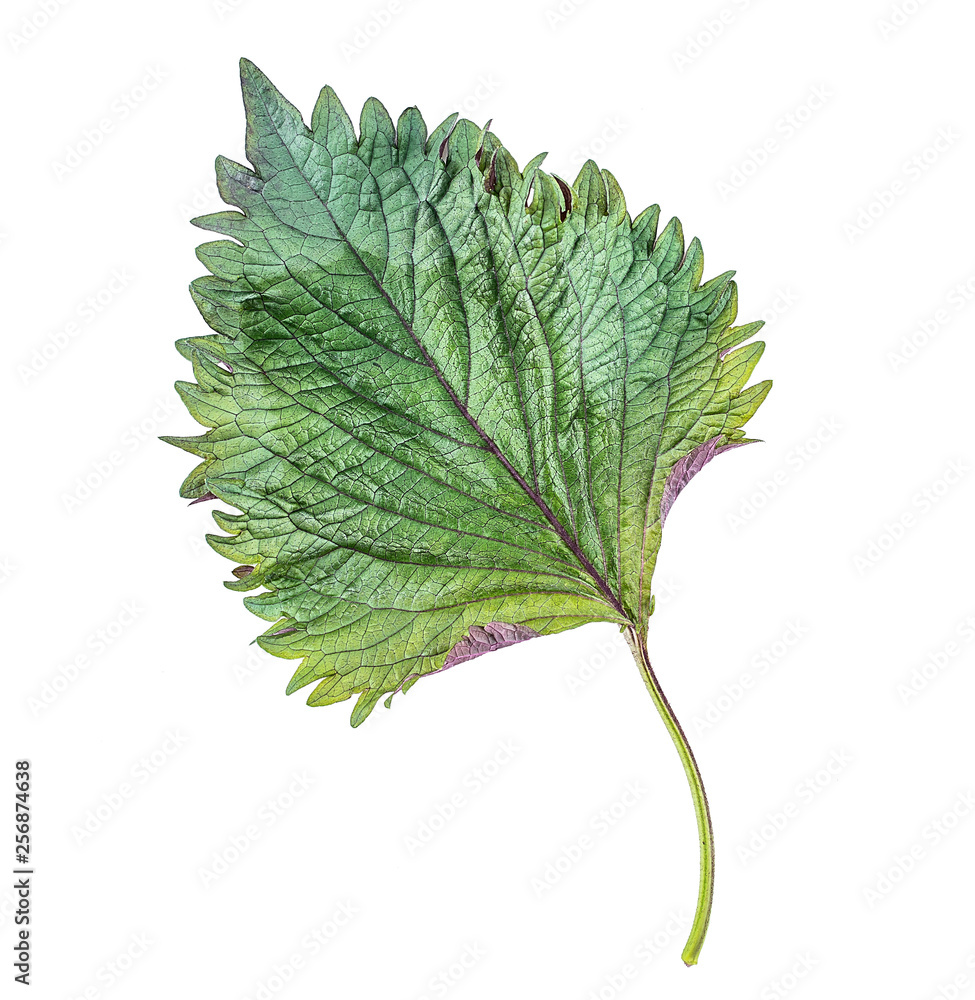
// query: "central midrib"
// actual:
[[571, 542]]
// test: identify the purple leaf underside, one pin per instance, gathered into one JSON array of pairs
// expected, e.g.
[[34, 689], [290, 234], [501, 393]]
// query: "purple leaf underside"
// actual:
[[481, 639], [686, 468]]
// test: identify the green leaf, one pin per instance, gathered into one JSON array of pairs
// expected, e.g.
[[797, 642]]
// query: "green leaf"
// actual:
[[451, 400]]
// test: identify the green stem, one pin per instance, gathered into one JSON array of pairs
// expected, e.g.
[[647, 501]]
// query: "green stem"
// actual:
[[702, 914]]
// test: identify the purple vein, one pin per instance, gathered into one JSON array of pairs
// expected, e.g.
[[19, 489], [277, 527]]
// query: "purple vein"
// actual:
[[571, 542], [490, 443]]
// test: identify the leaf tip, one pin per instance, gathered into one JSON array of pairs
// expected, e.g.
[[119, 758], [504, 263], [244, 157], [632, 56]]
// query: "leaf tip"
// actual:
[[249, 70]]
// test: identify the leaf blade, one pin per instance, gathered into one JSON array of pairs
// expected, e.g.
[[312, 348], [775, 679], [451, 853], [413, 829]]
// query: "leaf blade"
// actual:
[[455, 389]]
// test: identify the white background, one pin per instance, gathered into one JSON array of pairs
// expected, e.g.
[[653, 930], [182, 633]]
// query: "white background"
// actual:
[[815, 563]]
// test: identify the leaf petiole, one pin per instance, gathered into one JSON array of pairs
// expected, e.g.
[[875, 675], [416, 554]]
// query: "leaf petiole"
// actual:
[[702, 913]]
